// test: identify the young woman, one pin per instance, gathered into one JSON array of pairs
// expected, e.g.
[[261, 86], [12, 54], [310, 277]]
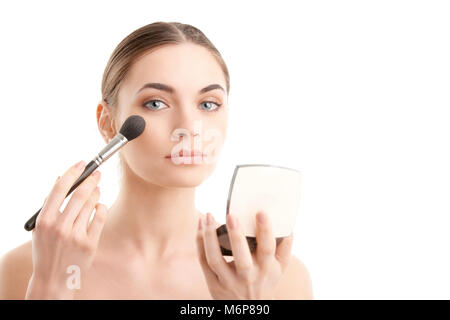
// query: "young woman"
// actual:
[[152, 243]]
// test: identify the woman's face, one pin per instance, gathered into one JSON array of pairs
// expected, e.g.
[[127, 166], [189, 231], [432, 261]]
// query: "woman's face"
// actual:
[[180, 91]]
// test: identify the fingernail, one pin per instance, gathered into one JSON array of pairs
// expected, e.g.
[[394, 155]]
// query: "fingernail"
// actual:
[[261, 217], [209, 219], [231, 221], [80, 164], [96, 174]]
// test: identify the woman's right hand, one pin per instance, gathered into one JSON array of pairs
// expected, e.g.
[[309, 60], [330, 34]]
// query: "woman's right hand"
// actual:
[[63, 242]]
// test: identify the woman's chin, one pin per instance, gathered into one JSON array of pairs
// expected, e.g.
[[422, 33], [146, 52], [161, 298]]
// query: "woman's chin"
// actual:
[[186, 181]]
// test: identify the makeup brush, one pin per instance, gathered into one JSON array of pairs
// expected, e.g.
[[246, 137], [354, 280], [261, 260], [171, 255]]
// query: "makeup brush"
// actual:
[[131, 129]]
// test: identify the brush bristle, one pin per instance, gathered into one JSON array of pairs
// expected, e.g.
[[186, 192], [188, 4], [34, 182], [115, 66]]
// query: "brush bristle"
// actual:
[[133, 127]]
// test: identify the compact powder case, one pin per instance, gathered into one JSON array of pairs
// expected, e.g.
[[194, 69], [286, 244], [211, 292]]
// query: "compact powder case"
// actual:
[[255, 187]]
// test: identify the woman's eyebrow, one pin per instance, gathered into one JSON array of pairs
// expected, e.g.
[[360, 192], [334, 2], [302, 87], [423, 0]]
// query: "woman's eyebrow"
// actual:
[[211, 87], [164, 87]]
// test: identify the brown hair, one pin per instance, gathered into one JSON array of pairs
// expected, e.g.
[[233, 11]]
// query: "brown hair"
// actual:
[[143, 39]]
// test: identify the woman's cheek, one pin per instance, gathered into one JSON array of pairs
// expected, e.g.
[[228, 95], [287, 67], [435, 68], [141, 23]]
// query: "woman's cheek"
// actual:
[[213, 142]]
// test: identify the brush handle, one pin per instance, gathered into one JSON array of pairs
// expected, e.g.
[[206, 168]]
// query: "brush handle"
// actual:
[[90, 167]]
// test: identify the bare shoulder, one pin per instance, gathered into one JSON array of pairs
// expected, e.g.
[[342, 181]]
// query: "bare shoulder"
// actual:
[[295, 283], [16, 267]]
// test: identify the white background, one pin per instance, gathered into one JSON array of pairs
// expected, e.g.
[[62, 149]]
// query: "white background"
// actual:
[[354, 94]]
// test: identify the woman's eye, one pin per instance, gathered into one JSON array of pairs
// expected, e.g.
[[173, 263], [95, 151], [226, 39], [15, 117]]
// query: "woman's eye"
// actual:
[[158, 105], [211, 106], [154, 104]]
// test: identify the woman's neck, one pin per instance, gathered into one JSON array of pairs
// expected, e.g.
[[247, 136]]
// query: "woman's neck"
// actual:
[[158, 222]]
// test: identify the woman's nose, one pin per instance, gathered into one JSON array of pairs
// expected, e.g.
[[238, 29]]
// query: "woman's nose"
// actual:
[[187, 124], [185, 133]]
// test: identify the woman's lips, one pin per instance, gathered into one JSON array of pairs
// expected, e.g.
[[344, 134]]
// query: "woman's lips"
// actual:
[[187, 153]]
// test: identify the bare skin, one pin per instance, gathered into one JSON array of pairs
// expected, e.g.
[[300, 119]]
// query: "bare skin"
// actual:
[[112, 279], [147, 248]]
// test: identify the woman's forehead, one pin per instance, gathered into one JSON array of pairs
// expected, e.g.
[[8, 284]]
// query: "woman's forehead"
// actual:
[[183, 66]]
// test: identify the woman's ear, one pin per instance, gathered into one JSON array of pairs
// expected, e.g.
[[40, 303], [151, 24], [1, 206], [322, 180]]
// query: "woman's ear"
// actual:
[[105, 121]]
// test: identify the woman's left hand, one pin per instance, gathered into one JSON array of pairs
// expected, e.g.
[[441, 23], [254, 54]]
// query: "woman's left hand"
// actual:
[[250, 275]]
